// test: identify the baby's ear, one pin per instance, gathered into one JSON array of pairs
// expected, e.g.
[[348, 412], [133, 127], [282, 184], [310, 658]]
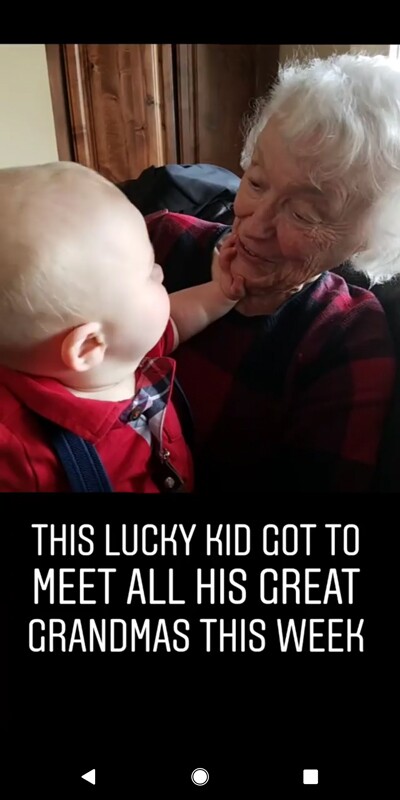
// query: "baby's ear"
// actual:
[[84, 347]]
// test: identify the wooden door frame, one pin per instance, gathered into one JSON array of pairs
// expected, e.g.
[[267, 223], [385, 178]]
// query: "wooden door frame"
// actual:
[[186, 114], [71, 100], [59, 99], [69, 82]]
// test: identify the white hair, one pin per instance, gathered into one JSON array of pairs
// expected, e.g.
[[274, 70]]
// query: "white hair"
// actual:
[[343, 113]]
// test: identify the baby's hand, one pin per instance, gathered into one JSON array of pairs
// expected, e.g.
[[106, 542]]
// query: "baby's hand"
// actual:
[[231, 285], [227, 251]]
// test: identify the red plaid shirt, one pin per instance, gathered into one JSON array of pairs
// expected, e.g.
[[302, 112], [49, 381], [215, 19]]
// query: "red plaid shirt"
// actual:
[[292, 401], [121, 431]]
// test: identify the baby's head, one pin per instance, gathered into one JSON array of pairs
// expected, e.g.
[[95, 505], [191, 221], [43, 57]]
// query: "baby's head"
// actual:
[[80, 294]]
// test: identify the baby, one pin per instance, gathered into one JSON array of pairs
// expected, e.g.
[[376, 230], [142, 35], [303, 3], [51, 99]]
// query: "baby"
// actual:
[[86, 329]]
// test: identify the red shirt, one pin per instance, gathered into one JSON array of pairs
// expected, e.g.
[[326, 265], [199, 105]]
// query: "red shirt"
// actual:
[[291, 401], [27, 460]]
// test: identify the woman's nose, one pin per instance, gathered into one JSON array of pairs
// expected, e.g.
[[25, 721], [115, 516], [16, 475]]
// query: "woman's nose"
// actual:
[[261, 224]]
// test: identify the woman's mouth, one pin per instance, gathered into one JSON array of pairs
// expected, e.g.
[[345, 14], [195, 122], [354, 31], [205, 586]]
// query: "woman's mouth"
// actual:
[[246, 251]]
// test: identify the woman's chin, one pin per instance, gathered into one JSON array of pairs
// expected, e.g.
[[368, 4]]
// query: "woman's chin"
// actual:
[[252, 271]]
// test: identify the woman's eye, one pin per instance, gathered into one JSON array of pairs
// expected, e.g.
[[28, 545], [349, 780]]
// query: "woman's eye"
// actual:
[[254, 183], [296, 215], [304, 218]]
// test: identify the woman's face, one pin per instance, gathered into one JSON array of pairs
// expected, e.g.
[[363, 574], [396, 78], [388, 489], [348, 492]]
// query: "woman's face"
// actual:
[[288, 231]]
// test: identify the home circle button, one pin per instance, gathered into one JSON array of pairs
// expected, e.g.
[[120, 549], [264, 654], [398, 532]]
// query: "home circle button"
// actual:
[[200, 776]]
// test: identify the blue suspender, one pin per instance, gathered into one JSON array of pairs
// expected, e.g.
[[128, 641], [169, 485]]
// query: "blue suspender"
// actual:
[[80, 460]]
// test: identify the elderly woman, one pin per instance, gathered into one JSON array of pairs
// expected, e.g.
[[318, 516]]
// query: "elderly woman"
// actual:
[[291, 389]]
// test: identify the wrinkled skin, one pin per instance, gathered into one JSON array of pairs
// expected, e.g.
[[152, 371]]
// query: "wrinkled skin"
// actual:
[[293, 230]]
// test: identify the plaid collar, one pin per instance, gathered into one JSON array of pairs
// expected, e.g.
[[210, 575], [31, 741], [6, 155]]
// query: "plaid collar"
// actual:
[[154, 388]]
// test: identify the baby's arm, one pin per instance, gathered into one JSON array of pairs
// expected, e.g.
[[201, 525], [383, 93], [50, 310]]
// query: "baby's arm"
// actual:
[[195, 308]]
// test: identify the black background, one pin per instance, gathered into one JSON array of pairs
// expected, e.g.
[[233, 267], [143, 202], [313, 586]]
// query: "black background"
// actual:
[[145, 721], [254, 722]]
